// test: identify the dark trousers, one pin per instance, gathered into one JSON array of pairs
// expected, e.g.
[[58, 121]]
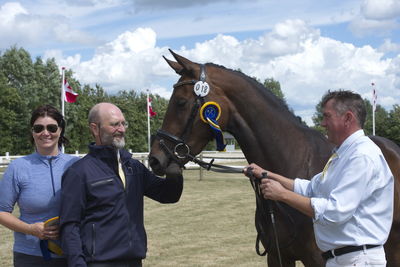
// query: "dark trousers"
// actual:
[[124, 263], [24, 260]]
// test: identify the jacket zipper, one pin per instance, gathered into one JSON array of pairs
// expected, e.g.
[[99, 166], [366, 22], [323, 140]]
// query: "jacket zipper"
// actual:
[[102, 182], [93, 241], [52, 176]]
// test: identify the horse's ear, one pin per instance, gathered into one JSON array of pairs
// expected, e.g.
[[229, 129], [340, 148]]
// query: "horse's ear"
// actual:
[[175, 65], [187, 65]]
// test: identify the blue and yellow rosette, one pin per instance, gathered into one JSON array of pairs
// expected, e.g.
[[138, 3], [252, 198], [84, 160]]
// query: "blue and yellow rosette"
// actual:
[[51, 246], [210, 113]]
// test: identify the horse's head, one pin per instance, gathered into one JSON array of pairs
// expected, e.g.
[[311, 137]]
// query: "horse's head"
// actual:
[[193, 116]]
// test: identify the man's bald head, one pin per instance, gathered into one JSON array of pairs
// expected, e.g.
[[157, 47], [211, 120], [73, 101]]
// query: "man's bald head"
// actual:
[[107, 124]]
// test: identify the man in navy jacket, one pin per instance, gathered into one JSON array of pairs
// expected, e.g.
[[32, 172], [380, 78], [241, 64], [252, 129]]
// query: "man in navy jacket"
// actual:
[[102, 205]]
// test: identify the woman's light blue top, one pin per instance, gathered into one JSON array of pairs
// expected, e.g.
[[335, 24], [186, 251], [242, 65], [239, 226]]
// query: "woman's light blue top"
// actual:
[[34, 183]]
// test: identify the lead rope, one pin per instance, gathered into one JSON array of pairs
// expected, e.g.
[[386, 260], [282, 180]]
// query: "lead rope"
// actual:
[[256, 186], [227, 169]]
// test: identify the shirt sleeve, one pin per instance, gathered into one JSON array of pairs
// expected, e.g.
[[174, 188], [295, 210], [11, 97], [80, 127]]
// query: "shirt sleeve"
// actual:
[[302, 187], [72, 207], [350, 188], [9, 189]]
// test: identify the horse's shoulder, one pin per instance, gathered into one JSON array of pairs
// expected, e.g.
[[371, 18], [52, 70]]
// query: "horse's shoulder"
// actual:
[[385, 144]]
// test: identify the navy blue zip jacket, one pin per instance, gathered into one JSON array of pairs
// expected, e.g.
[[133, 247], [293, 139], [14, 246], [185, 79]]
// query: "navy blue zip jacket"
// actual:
[[100, 219]]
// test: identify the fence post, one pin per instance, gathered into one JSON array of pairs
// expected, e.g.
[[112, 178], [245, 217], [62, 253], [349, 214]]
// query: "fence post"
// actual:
[[201, 169]]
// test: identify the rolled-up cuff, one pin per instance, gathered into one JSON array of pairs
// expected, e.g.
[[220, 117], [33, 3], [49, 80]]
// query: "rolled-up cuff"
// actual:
[[319, 206]]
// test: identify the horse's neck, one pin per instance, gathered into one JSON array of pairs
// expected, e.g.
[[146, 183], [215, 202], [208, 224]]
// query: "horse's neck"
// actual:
[[274, 139]]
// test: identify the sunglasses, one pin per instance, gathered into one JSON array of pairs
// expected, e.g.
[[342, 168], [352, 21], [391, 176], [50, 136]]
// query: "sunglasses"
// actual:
[[51, 128]]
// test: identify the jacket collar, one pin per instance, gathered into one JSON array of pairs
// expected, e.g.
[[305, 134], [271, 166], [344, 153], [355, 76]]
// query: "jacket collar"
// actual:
[[108, 152]]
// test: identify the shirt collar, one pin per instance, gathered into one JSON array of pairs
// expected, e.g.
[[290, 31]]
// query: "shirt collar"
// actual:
[[46, 158], [348, 142]]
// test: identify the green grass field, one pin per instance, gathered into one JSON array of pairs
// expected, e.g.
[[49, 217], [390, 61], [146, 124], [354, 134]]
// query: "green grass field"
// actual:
[[212, 225]]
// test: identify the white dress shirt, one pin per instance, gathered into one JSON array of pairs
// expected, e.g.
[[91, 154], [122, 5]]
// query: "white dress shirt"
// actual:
[[353, 203]]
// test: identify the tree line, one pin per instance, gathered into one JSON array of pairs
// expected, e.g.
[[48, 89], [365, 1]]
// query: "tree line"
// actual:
[[26, 84], [387, 123]]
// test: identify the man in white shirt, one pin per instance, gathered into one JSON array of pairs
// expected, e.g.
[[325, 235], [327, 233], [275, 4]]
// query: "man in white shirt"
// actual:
[[351, 200]]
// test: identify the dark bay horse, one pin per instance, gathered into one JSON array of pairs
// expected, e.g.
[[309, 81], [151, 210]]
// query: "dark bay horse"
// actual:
[[270, 136]]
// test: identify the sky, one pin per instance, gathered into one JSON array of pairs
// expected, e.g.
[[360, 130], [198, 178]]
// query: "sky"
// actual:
[[309, 46]]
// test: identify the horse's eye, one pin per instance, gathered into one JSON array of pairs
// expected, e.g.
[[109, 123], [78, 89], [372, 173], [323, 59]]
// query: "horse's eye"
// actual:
[[181, 102]]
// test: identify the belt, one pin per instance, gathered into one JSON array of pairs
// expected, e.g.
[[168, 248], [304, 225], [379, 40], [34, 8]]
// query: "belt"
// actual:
[[116, 263], [340, 251]]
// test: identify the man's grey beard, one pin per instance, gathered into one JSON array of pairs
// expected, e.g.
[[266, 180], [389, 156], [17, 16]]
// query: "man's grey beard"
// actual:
[[118, 144], [113, 141]]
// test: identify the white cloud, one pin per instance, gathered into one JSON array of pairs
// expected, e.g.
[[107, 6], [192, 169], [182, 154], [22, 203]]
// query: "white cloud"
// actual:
[[394, 71], [378, 17], [67, 62], [285, 38], [131, 61], [139, 40], [380, 9], [304, 62], [15, 22], [65, 34], [161, 4], [22, 27], [389, 46], [9, 11], [364, 27]]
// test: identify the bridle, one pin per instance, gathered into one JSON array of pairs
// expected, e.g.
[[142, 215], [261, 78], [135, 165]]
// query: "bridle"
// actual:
[[181, 150]]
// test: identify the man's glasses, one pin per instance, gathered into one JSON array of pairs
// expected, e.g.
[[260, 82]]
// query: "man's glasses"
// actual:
[[51, 128], [116, 125]]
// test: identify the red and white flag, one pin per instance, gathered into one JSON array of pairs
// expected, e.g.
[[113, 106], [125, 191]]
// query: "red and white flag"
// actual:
[[151, 112], [374, 97], [70, 95]]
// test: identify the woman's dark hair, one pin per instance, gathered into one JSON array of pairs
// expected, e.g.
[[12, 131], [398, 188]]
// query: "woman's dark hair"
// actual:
[[50, 111]]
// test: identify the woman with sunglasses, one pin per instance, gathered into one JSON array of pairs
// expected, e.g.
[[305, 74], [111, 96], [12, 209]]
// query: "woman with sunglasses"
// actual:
[[34, 182]]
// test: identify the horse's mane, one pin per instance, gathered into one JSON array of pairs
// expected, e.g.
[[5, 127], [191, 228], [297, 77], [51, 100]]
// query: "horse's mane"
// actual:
[[266, 92]]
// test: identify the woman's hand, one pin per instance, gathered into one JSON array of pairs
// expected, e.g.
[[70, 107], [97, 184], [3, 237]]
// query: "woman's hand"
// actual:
[[37, 229]]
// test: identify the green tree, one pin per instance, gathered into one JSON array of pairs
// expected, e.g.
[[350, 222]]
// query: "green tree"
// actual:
[[275, 88], [392, 129], [317, 119], [11, 113], [46, 83]]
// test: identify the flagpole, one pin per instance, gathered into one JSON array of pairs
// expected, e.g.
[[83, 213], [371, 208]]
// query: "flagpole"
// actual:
[[148, 120], [373, 121], [62, 90], [62, 100], [373, 107]]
